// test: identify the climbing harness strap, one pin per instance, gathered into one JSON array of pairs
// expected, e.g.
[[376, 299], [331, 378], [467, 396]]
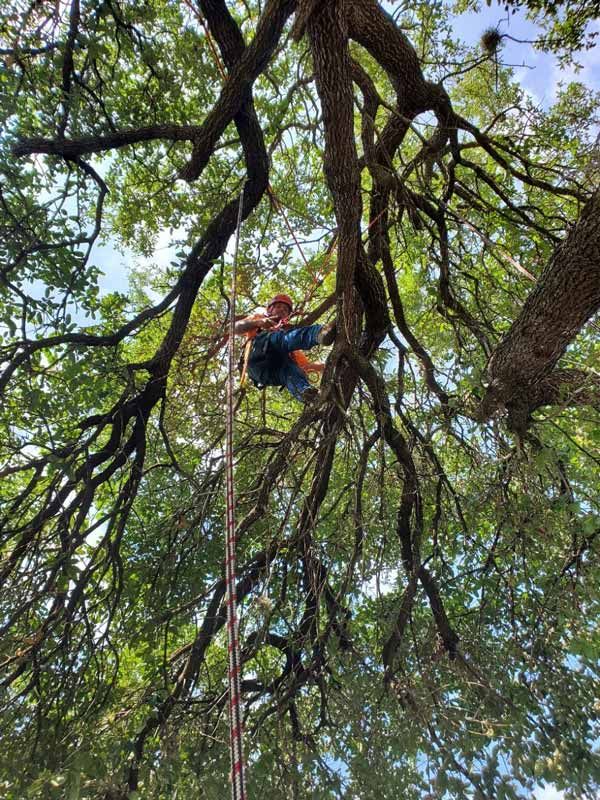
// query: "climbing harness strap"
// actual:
[[238, 783], [245, 360]]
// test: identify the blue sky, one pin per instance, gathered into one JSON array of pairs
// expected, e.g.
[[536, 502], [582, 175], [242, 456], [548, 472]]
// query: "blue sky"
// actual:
[[539, 73], [548, 793]]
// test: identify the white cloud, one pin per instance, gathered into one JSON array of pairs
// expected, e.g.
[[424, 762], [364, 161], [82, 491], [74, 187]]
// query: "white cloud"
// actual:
[[548, 792]]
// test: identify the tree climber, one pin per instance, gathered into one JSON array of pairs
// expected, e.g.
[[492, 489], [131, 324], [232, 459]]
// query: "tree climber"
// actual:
[[273, 354]]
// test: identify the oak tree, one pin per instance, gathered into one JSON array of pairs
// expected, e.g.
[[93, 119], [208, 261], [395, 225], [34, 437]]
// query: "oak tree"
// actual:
[[418, 550]]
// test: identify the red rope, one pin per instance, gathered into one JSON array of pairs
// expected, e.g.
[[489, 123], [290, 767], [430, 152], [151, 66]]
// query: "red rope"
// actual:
[[320, 275], [236, 722], [238, 784], [209, 38], [280, 208]]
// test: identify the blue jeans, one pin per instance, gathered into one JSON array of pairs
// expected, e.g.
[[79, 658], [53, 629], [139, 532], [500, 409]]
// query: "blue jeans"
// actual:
[[270, 363]]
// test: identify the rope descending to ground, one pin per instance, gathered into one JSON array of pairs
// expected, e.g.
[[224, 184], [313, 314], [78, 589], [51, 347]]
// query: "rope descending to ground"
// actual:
[[238, 782]]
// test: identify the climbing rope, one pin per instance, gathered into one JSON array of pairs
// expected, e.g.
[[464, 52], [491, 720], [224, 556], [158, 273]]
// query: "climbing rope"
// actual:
[[238, 783], [209, 39]]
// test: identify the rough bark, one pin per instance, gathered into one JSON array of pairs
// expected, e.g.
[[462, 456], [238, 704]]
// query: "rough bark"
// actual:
[[376, 31], [570, 387], [73, 148], [328, 36], [328, 33], [566, 296], [522, 379]]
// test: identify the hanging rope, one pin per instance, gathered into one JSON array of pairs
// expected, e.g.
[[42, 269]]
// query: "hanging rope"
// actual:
[[209, 39], [238, 783]]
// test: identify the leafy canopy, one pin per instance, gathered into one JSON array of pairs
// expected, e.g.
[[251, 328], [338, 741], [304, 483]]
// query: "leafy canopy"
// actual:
[[418, 551]]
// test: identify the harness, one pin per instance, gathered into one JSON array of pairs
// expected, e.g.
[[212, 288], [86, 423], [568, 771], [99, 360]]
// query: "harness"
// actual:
[[256, 353], [245, 358]]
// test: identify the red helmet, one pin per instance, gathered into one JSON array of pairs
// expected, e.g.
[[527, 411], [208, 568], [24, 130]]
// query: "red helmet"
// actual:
[[281, 298]]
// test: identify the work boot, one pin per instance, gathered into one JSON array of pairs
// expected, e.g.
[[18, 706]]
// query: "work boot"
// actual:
[[310, 395], [327, 334]]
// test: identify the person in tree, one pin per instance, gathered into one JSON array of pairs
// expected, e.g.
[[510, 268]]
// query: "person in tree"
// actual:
[[273, 352]]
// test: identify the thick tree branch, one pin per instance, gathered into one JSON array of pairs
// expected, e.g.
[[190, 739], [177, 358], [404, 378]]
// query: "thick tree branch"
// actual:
[[251, 63], [73, 148], [565, 297]]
